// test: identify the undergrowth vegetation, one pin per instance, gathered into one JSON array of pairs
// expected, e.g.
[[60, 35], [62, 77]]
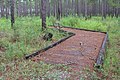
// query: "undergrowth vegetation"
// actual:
[[29, 33], [91, 24], [25, 38]]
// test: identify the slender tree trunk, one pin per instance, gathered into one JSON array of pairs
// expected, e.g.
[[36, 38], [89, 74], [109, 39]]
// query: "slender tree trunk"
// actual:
[[82, 7], [48, 8], [109, 11], [77, 7], [36, 7], [113, 10], [86, 11], [19, 8], [2, 9], [24, 8], [103, 9], [6, 10], [30, 6], [43, 14], [27, 8], [89, 11], [40, 10], [54, 8], [68, 7], [99, 7], [116, 12], [61, 8], [58, 10], [12, 13], [73, 7], [6, 13]]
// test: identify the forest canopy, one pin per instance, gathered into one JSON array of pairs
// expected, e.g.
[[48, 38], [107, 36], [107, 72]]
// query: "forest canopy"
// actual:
[[62, 8]]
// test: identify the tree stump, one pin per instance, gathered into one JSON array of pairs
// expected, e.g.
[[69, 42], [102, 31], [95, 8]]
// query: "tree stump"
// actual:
[[48, 36]]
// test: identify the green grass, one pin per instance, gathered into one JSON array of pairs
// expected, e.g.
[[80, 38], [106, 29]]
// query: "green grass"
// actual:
[[27, 28], [28, 34], [112, 61], [91, 24], [26, 70], [29, 39]]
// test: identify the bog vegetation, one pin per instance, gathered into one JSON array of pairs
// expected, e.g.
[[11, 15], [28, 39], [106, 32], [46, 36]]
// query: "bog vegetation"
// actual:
[[24, 36]]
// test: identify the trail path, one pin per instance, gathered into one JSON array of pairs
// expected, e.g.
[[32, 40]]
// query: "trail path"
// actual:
[[80, 50]]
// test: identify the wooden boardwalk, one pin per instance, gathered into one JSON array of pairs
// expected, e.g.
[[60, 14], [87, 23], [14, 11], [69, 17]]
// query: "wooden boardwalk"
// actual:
[[78, 51]]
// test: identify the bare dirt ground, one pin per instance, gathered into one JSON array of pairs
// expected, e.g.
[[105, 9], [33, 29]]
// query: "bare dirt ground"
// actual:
[[79, 51]]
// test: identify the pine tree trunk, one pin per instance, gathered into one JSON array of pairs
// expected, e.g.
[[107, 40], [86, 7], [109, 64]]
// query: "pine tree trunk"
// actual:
[[113, 10], [6, 10], [30, 6], [19, 8], [103, 9], [86, 11], [43, 13], [40, 8], [48, 8], [73, 7], [77, 7], [82, 7], [61, 8], [116, 13], [24, 9], [99, 8], [12, 13], [2, 9], [36, 7], [58, 10]]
